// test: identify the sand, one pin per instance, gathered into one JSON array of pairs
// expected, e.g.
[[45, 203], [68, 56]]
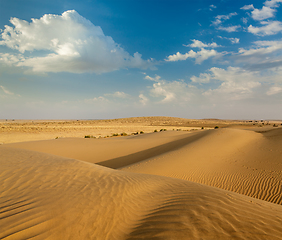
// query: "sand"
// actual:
[[208, 184]]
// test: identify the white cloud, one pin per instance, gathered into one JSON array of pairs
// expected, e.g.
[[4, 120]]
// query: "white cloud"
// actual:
[[175, 91], [143, 99], [199, 44], [274, 90], [96, 100], [203, 78], [264, 13], [272, 3], [156, 78], [5, 90], [73, 44], [248, 7], [159, 89], [221, 18], [229, 29], [236, 83], [269, 28], [212, 7], [244, 20], [267, 11], [263, 55], [232, 40], [11, 59], [200, 56], [263, 47], [118, 95]]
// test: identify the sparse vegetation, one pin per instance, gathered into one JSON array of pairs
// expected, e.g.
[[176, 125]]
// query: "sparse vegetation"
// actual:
[[123, 134], [162, 130], [275, 125], [202, 127], [89, 136], [216, 127], [141, 132], [115, 135], [155, 130]]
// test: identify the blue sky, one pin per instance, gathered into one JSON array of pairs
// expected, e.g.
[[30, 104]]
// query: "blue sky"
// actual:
[[112, 59]]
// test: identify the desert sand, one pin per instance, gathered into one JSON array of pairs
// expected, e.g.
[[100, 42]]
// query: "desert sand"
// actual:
[[223, 183]]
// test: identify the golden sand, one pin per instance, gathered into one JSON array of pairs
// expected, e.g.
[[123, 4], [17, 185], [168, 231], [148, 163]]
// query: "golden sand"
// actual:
[[207, 184]]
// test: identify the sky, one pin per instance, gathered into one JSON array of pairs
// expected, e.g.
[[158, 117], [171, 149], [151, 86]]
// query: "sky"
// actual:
[[101, 59]]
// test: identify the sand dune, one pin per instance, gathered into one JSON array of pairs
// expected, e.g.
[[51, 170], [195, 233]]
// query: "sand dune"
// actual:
[[49, 197], [211, 184], [242, 161]]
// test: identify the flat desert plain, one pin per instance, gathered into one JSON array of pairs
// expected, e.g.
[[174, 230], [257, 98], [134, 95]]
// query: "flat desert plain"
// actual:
[[188, 181]]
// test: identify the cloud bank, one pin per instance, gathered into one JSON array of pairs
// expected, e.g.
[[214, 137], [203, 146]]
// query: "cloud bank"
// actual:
[[70, 43]]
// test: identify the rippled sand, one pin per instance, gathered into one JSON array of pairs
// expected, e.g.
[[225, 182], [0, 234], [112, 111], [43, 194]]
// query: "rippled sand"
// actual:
[[209, 184]]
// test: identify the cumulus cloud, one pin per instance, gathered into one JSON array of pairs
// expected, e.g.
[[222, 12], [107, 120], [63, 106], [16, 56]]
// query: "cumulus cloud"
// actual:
[[232, 40], [264, 13], [248, 7], [172, 91], [71, 44], [143, 99], [118, 95], [262, 48], [10, 59], [263, 55], [199, 44], [269, 28], [156, 78], [229, 29], [236, 83], [100, 99], [221, 18], [160, 89], [274, 90], [272, 3], [199, 56], [203, 78]]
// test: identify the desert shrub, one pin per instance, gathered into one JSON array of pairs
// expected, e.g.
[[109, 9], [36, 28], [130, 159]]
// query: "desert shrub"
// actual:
[[274, 125], [89, 136], [123, 134], [178, 129], [202, 127], [155, 130], [141, 132], [216, 127], [115, 135], [162, 130]]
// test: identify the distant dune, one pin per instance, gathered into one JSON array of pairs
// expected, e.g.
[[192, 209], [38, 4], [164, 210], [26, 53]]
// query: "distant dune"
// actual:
[[208, 184]]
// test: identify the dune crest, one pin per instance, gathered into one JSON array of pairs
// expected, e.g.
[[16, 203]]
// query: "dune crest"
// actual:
[[242, 161], [50, 197]]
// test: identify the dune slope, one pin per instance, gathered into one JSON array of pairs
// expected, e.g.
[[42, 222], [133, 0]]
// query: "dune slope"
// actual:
[[49, 197], [242, 161]]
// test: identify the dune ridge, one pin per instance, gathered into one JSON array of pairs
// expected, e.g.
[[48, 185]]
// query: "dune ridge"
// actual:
[[50, 197], [211, 184], [241, 161]]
